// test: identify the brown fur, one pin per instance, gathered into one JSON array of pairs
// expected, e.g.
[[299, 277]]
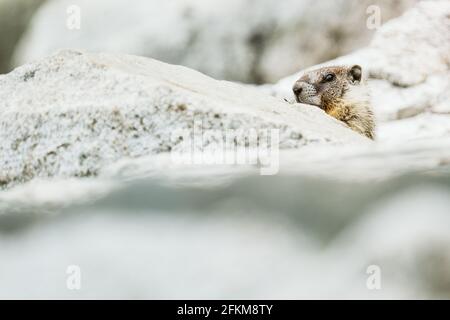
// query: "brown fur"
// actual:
[[357, 117], [343, 95]]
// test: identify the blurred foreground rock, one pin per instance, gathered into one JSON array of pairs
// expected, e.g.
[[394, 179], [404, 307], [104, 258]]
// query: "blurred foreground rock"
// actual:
[[207, 236]]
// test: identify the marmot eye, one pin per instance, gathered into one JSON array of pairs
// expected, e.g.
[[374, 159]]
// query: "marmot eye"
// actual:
[[329, 77]]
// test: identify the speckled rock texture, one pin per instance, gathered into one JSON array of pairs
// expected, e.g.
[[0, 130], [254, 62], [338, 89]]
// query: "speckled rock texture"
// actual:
[[72, 113]]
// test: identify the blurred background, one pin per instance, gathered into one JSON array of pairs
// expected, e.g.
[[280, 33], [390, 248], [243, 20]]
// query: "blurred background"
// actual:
[[249, 41]]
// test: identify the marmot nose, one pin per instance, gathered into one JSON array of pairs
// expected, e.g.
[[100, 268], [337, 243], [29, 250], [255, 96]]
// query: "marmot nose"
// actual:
[[298, 88]]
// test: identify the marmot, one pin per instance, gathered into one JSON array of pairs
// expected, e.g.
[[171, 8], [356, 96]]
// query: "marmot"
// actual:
[[342, 93]]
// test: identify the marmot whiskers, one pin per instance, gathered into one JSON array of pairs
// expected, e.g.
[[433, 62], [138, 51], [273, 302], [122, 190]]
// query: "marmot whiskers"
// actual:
[[342, 93]]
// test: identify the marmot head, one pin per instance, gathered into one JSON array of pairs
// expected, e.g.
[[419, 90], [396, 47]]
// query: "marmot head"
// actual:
[[322, 86]]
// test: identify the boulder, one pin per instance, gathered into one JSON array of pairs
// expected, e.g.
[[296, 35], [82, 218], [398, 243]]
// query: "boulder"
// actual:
[[254, 237], [73, 113]]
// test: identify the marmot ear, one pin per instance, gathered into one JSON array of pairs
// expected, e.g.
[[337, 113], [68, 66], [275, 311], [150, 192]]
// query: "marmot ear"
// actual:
[[355, 73]]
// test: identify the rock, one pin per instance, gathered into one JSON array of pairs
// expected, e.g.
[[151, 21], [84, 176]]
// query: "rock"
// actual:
[[420, 127], [14, 18], [407, 64], [249, 41], [73, 113], [169, 235]]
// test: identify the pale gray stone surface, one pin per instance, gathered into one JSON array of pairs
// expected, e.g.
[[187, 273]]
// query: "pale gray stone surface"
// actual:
[[73, 113]]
